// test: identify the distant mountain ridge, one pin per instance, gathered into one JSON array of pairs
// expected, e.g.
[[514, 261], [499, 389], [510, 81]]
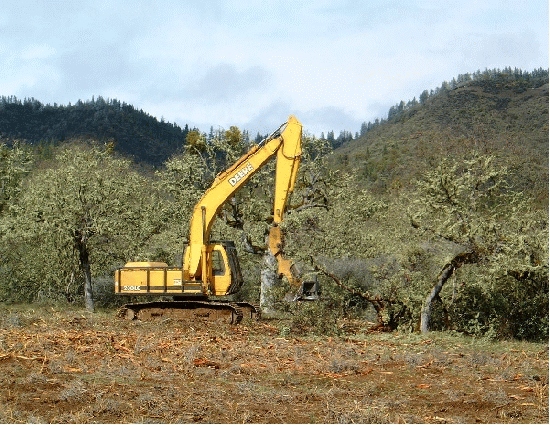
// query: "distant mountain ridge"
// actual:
[[135, 133], [502, 113], [506, 111]]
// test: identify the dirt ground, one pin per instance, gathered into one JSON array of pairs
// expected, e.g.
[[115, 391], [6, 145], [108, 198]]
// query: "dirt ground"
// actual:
[[73, 367]]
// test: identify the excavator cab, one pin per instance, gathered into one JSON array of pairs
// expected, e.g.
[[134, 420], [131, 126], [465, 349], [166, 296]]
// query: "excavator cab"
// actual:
[[225, 276]]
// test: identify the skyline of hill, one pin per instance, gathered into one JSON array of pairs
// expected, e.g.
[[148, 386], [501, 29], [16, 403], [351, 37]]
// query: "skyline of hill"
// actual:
[[135, 133], [497, 106], [505, 115]]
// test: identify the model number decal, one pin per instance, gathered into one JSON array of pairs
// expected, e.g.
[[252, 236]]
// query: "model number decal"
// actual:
[[131, 288], [240, 174]]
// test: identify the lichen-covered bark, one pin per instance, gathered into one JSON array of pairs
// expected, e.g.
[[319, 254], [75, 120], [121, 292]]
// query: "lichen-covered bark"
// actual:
[[80, 242], [446, 272], [268, 279]]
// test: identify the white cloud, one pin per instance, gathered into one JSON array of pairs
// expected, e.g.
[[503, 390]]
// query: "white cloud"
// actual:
[[333, 63], [37, 51]]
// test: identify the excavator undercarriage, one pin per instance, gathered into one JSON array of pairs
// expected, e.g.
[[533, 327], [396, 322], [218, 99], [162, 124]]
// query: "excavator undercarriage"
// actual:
[[206, 310]]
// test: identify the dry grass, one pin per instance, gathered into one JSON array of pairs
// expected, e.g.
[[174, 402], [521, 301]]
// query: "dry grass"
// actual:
[[71, 367]]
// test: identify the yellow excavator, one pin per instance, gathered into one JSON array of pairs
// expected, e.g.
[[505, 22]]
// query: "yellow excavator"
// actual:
[[211, 268]]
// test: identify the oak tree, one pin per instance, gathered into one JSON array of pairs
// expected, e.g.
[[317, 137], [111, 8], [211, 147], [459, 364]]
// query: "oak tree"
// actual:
[[470, 205], [77, 217]]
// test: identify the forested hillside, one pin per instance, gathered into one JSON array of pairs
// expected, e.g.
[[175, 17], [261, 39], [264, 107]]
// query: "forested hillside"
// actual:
[[434, 218], [135, 133], [503, 113]]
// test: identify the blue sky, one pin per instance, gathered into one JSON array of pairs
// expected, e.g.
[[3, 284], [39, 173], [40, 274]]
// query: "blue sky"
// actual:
[[334, 64]]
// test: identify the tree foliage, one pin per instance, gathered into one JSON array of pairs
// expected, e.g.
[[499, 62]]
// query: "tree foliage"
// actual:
[[470, 205], [75, 218], [15, 163]]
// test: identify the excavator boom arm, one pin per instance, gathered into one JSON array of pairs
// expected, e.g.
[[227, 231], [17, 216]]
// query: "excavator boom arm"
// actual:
[[287, 144]]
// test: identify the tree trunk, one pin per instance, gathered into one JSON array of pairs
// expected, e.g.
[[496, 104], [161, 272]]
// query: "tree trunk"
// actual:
[[88, 290], [268, 281], [426, 313], [268, 273], [447, 271], [86, 271]]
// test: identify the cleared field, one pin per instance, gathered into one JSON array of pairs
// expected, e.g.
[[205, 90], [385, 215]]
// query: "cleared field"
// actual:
[[72, 367]]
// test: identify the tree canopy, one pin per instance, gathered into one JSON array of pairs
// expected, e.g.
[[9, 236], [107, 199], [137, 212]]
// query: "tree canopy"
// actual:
[[77, 216]]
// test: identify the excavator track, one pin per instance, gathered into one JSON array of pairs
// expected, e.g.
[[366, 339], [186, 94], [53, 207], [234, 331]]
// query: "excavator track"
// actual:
[[252, 311], [229, 312]]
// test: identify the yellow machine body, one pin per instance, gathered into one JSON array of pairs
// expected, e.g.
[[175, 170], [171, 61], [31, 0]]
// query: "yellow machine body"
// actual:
[[157, 278], [212, 267]]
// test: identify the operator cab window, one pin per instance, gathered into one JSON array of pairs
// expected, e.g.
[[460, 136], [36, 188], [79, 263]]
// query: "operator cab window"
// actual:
[[218, 266]]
